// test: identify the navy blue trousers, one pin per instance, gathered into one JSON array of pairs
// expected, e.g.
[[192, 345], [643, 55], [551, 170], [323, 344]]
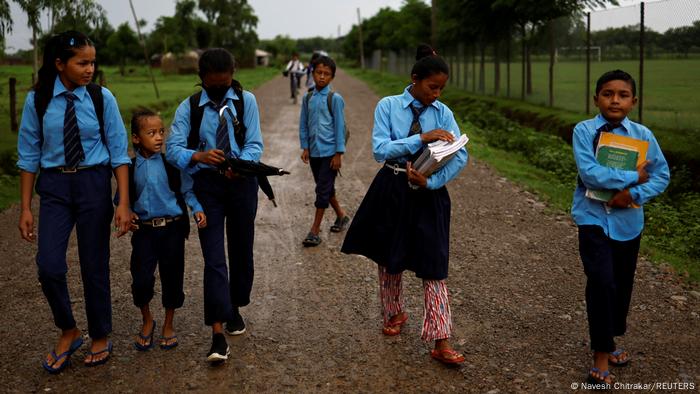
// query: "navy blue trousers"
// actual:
[[164, 247], [230, 206], [81, 199], [609, 266], [324, 177]]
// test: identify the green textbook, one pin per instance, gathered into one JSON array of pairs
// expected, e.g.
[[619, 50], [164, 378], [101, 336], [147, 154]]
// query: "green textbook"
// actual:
[[614, 156]]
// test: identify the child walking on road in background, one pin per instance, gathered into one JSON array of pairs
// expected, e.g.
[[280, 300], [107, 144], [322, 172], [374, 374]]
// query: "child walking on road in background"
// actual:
[[403, 222], [610, 232], [322, 138], [220, 122], [72, 135], [158, 194]]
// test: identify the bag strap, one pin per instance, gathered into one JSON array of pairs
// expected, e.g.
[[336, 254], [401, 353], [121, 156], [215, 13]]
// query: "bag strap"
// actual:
[[197, 113]]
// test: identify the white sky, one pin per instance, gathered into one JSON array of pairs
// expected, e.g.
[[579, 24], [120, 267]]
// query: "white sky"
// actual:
[[309, 18]]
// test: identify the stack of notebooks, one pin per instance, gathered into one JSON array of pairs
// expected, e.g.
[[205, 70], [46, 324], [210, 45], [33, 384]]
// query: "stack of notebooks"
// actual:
[[437, 154], [617, 151]]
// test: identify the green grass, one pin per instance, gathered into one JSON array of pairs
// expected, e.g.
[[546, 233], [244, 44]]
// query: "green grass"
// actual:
[[132, 91], [515, 166]]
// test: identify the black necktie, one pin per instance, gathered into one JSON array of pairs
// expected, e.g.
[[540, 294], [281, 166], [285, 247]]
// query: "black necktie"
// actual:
[[222, 140], [72, 147], [416, 128]]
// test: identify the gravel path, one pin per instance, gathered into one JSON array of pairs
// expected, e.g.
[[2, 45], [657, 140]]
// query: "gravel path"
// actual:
[[314, 323]]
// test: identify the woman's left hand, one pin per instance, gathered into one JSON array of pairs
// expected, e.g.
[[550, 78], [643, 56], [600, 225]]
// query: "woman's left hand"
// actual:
[[336, 161], [415, 177], [122, 219]]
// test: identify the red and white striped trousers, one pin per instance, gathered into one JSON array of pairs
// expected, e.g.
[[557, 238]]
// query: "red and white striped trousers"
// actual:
[[437, 318]]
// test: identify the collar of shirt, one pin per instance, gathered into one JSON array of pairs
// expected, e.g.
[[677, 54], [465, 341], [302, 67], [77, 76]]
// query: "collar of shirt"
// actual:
[[407, 99], [322, 92], [600, 121], [140, 159], [59, 88], [204, 100]]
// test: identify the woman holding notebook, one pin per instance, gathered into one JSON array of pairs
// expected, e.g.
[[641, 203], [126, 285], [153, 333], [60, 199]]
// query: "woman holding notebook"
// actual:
[[403, 223]]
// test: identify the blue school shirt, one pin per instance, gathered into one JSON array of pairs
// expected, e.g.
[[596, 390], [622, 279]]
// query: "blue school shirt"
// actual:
[[32, 156], [392, 123], [180, 155], [621, 224], [320, 132], [154, 198], [187, 184]]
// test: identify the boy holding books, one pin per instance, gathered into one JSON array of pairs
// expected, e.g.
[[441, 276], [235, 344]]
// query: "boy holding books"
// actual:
[[610, 232]]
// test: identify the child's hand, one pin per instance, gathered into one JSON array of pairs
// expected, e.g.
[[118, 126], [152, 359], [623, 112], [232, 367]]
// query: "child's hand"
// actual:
[[26, 225], [642, 172], [435, 135], [212, 157], [621, 199], [122, 219], [337, 161], [415, 177], [201, 219], [305, 156]]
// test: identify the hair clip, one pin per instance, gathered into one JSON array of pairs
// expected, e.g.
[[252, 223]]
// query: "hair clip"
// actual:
[[72, 42]]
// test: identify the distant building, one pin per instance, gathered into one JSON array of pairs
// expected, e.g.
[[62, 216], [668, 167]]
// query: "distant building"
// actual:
[[262, 58]]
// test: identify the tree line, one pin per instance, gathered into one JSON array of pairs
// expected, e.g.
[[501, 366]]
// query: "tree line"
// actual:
[[230, 24]]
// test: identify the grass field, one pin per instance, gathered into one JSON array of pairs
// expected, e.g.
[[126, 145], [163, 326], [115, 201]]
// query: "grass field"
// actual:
[[131, 91]]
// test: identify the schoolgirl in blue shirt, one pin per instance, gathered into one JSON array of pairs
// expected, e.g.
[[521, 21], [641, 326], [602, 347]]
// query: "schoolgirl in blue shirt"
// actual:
[[403, 222], [610, 232], [322, 138], [160, 194], [73, 136], [209, 127]]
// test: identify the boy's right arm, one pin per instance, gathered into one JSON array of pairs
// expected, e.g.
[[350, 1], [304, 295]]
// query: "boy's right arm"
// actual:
[[176, 151], [303, 124], [594, 175]]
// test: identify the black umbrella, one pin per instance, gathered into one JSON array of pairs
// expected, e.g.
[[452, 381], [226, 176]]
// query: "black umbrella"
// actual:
[[259, 170]]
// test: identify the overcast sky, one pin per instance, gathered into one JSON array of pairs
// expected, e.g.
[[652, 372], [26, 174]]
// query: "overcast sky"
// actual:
[[309, 18]]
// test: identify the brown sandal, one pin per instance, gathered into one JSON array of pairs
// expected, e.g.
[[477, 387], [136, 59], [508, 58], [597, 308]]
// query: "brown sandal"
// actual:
[[395, 328]]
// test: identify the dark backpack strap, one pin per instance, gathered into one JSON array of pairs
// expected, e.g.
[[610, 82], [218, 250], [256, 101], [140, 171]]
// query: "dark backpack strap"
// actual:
[[330, 102], [132, 184], [196, 114], [175, 184], [239, 127]]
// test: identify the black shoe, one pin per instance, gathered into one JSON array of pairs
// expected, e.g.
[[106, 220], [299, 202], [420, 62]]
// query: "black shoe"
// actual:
[[219, 351], [235, 326]]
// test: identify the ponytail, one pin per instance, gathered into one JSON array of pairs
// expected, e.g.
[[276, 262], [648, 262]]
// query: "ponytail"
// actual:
[[61, 46], [428, 63]]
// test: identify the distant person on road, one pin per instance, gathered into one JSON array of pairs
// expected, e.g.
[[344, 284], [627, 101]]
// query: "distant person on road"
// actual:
[[73, 136], [219, 122], [294, 70], [159, 197], [403, 222], [322, 139], [610, 232]]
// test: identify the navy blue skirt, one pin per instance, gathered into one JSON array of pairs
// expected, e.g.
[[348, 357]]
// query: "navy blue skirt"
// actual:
[[402, 229]]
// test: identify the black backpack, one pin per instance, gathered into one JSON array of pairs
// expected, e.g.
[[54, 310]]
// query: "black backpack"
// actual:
[[197, 113], [95, 92], [175, 186], [307, 98]]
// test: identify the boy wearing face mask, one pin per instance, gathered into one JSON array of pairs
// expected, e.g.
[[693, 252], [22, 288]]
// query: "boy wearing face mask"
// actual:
[[200, 141]]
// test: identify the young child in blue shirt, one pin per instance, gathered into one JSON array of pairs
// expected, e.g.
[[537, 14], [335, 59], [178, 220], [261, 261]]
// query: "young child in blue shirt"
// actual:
[[610, 232], [73, 136], [322, 138], [403, 222], [228, 126], [161, 225]]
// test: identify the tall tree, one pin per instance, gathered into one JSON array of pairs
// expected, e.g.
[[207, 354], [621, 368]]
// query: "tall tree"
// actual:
[[123, 45], [235, 23]]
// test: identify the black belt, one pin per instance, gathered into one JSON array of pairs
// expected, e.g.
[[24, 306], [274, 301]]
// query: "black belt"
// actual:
[[158, 222], [68, 170]]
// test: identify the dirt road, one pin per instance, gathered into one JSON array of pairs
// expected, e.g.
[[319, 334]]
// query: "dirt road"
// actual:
[[314, 323]]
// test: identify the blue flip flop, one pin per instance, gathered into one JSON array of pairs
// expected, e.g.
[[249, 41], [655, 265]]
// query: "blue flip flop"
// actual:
[[107, 350], [75, 345], [617, 353], [149, 337], [165, 346]]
